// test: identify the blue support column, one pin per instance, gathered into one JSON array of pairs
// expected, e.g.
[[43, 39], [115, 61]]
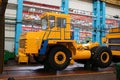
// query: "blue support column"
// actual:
[[98, 21], [102, 19], [65, 6], [77, 34], [18, 28]]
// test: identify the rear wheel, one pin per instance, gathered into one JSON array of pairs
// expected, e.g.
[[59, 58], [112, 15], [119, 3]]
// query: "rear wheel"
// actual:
[[58, 58], [93, 50], [102, 57]]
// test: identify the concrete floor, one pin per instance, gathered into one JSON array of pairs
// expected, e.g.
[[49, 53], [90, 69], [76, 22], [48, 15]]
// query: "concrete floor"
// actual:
[[72, 72]]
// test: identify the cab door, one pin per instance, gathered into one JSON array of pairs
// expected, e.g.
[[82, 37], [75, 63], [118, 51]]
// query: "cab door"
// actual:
[[61, 24]]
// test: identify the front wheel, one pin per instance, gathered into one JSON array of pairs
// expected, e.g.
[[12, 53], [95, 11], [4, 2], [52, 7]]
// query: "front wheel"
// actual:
[[59, 57], [102, 57]]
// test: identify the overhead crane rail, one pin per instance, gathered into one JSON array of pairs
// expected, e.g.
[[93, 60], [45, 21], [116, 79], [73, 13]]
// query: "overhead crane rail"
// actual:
[[114, 2]]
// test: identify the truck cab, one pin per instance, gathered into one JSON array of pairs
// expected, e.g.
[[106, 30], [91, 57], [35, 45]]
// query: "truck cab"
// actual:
[[58, 26]]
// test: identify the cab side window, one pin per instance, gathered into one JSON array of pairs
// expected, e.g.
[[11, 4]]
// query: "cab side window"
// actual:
[[52, 21], [61, 22], [44, 23]]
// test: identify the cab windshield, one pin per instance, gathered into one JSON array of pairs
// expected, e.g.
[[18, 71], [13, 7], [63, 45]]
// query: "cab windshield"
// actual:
[[44, 23]]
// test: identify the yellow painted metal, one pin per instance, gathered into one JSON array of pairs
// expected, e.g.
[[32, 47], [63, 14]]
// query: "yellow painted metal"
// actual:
[[113, 35], [62, 41], [113, 30], [114, 2], [105, 57], [104, 40], [57, 32], [81, 54], [116, 53], [60, 54], [22, 58], [90, 45], [21, 51], [72, 61], [32, 42]]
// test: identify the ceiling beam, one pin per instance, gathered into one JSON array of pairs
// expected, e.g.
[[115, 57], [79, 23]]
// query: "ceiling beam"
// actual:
[[114, 2]]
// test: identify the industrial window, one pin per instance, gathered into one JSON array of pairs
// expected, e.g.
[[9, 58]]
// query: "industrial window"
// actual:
[[61, 22], [52, 21]]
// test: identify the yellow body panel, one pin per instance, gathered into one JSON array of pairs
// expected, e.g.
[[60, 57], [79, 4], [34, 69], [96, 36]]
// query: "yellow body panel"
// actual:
[[61, 41], [23, 58], [115, 53], [114, 30], [114, 35], [90, 45], [104, 40], [72, 61], [81, 54], [32, 42]]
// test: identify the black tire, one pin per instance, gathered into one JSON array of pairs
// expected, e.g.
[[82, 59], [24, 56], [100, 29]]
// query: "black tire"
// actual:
[[39, 59], [93, 50], [36, 59], [90, 64], [116, 59], [59, 58], [102, 57], [11, 78]]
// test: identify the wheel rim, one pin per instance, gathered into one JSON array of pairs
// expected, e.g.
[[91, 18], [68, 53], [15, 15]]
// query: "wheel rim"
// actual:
[[60, 58], [105, 57]]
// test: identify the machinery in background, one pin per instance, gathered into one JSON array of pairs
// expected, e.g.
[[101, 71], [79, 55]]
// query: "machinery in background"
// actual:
[[112, 40], [8, 55], [54, 47]]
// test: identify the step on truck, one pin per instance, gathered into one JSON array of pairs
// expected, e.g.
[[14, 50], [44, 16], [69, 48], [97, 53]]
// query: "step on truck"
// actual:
[[54, 47]]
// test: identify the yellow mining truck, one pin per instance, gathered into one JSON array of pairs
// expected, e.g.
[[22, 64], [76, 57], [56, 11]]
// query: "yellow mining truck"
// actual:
[[112, 40], [54, 48]]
